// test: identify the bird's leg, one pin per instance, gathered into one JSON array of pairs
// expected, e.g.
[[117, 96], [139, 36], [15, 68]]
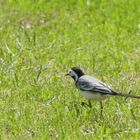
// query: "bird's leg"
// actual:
[[101, 107], [89, 103]]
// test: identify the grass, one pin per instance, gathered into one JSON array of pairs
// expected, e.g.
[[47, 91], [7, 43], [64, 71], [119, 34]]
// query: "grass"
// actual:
[[40, 41]]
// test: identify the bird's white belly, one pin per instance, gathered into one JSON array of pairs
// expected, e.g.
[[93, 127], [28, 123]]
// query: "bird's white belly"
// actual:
[[94, 96]]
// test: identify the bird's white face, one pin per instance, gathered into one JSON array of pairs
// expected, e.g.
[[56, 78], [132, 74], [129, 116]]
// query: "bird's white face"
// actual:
[[73, 74]]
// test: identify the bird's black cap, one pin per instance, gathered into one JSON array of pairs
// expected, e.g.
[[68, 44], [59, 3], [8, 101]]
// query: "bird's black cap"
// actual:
[[78, 71]]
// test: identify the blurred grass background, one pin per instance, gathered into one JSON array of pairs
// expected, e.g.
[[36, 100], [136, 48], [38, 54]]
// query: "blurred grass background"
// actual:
[[41, 40]]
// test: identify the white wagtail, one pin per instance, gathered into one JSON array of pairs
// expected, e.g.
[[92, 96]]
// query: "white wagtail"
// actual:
[[92, 88]]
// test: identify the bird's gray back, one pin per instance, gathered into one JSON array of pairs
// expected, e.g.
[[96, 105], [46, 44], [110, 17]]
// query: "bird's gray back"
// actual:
[[92, 84]]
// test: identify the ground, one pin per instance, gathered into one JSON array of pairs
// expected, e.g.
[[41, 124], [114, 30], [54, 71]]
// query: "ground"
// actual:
[[40, 41]]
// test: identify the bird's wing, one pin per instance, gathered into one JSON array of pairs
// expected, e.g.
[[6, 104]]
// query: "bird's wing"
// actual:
[[88, 83]]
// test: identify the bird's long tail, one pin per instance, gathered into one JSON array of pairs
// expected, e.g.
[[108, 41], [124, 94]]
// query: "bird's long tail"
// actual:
[[126, 95]]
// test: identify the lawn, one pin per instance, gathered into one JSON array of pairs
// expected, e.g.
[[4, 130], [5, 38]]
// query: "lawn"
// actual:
[[40, 40]]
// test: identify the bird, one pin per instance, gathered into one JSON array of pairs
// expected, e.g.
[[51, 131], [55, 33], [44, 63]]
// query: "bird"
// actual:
[[92, 88]]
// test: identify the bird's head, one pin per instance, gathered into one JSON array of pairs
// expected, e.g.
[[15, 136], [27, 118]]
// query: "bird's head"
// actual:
[[75, 73]]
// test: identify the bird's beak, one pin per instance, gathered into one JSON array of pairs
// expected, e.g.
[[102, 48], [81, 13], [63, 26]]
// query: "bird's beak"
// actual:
[[67, 74]]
